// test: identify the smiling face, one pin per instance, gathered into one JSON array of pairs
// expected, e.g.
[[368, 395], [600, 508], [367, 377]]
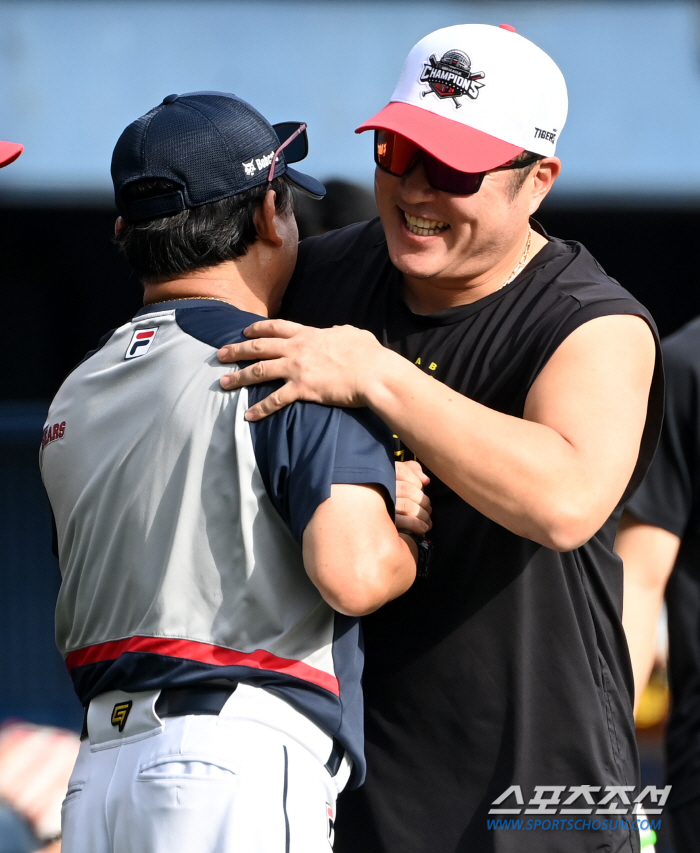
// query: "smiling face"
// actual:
[[455, 249]]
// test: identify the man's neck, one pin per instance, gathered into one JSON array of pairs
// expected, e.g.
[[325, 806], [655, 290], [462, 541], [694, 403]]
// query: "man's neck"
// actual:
[[426, 296], [235, 282]]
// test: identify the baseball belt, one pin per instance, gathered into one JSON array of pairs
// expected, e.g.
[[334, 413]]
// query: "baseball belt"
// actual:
[[210, 699], [181, 701]]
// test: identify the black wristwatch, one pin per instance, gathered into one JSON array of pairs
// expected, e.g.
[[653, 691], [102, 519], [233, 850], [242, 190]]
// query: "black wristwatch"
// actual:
[[425, 551]]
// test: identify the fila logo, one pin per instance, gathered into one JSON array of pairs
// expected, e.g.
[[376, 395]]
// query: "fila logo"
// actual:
[[120, 714], [140, 342]]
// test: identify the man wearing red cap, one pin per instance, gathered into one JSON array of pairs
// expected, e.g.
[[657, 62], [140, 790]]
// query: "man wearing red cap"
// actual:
[[9, 152], [498, 689]]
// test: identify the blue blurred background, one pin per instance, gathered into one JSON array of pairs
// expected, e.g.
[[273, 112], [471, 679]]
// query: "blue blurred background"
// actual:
[[73, 73]]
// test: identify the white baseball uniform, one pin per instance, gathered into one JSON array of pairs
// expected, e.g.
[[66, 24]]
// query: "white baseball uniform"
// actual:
[[178, 526]]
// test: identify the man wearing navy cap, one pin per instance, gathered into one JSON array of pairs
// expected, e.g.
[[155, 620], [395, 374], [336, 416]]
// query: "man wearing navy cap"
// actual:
[[498, 688], [219, 666]]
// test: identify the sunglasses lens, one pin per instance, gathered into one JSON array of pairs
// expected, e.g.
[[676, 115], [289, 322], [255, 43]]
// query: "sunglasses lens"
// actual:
[[298, 148], [393, 152], [446, 179]]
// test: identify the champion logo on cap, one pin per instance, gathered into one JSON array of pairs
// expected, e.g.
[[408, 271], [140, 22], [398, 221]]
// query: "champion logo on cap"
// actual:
[[140, 342], [522, 106], [451, 76]]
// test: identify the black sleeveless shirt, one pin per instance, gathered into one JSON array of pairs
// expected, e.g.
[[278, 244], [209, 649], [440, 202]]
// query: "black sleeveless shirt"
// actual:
[[508, 664]]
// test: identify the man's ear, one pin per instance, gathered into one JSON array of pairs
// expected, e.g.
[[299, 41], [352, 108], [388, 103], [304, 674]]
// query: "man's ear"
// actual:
[[265, 219], [119, 225], [543, 176]]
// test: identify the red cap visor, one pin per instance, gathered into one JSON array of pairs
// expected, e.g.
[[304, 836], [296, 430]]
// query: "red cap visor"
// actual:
[[456, 144], [9, 151]]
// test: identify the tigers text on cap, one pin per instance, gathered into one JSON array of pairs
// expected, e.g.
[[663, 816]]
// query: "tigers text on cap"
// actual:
[[9, 152], [475, 96], [212, 144]]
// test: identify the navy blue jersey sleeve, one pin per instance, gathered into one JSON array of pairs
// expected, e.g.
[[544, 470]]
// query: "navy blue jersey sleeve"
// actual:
[[305, 448]]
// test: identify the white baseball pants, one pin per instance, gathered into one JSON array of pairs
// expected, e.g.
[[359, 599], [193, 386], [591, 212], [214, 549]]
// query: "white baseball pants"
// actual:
[[250, 780]]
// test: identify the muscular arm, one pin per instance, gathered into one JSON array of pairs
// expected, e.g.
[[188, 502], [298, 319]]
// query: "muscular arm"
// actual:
[[553, 476], [648, 554], [354, 554]]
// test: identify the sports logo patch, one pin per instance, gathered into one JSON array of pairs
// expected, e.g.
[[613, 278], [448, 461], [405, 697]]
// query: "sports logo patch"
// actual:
[[120, 714], [140, 342], [451, 76], [257, 164]]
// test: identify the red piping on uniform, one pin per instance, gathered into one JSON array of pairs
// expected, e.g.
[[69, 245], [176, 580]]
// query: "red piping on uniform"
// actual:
[[202, 653]]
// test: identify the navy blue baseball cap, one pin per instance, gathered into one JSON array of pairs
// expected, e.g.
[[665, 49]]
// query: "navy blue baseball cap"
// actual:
[[213, 145]]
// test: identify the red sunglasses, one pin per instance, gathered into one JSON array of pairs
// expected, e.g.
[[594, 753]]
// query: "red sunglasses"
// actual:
[[397, 155]]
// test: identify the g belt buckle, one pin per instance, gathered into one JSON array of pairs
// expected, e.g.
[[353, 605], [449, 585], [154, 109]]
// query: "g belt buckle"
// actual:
[[118, 716]]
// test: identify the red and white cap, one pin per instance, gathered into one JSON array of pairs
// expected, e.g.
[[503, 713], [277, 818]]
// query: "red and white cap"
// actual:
[[9, 151], [475, 96]]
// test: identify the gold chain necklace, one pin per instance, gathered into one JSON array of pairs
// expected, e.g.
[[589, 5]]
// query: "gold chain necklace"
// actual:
[[181, 298], [522, 263]]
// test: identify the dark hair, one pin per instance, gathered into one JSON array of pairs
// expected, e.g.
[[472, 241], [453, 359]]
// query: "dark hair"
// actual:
[[518, 176], [197, 237]]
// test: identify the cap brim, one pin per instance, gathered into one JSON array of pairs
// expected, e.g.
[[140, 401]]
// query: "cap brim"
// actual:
[[452, 142], [9, 151], [306, 183]]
